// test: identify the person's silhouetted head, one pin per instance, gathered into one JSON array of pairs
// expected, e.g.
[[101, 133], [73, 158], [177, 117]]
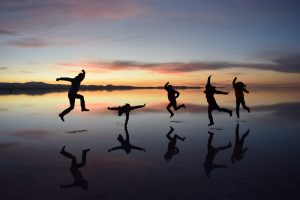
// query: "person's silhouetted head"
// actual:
[[80, 76], [240, 84], [170, 87]]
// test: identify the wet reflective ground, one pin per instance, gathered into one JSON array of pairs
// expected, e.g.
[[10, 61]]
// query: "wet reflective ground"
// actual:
[[262, 161]]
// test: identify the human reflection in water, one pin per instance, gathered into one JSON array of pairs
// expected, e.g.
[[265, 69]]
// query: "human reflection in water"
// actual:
[[212, 104], [125, 109], [78, 178], [210, 156], [172, 149], [238, 151], [125, 143]]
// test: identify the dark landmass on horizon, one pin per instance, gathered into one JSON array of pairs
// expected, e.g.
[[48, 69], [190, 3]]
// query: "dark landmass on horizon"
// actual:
[[43, 88]]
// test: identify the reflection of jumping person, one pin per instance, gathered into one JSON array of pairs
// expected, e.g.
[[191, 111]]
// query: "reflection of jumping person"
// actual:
[[125, 143], [238, 151], [125, 109], [239, 89], [78, 179], [172, 149], [172, 96], [210, 156], [212, 104], [73, 93]]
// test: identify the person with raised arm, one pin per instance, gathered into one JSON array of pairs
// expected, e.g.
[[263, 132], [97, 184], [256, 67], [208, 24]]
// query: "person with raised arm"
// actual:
[[172, 96], [212, 104], [72, 95], [239, 89]]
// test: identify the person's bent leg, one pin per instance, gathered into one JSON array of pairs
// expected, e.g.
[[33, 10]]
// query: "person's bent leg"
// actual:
[[82, 102], [210, 117], [66, 111], [169, 109], [244, 105], [83, 157], [237, 109], [225, 110]]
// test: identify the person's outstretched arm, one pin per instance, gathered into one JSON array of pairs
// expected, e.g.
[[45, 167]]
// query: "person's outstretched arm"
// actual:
[[208, 80], [136, 107], [115, 148], [83, 73], [137, 148], [64, 79], [233, 82], [113, 108], [166, 85], [221, 92]]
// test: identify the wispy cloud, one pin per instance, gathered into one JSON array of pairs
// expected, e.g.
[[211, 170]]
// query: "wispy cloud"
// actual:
[[3, 68], [20, 14], [27, 43], [6, 32], [287, 64]]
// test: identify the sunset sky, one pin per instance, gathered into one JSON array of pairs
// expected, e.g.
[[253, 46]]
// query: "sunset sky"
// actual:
[[149, 42]]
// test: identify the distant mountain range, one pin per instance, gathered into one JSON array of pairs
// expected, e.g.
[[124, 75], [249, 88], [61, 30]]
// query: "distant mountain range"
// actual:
[[19, 87]]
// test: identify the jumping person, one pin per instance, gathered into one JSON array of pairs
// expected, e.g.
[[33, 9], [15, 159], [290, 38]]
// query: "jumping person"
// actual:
[[78, 178], [125, 109], [211, 154], [238, 151], [172, 149], [172, 96], [125, 143], [239, 89], [212, 104], [73, 93]]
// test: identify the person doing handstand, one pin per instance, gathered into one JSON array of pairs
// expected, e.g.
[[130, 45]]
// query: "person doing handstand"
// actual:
[[172, 96], [239, 89], [212, 104], [72, 95], [125, 109]]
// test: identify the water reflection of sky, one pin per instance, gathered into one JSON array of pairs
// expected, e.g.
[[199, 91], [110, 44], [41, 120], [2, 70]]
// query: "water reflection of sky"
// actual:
[[32, 136]]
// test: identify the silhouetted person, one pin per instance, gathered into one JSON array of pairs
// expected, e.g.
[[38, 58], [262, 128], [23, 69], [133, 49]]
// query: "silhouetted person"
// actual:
[[125, 109], [172, 96], [210, 156], [125, 143], [172, 149], [212, 104], [239, 89], [73, 93], [238, 151], [78, 179]]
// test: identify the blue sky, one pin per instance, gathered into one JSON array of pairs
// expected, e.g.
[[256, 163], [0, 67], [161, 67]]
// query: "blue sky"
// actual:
[[43, 38]]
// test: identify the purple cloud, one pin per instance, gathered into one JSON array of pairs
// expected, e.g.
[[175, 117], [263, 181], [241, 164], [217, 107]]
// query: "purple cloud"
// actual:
[[27, 43]]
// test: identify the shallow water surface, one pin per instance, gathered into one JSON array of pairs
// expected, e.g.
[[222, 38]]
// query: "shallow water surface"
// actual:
[[32, 136]]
